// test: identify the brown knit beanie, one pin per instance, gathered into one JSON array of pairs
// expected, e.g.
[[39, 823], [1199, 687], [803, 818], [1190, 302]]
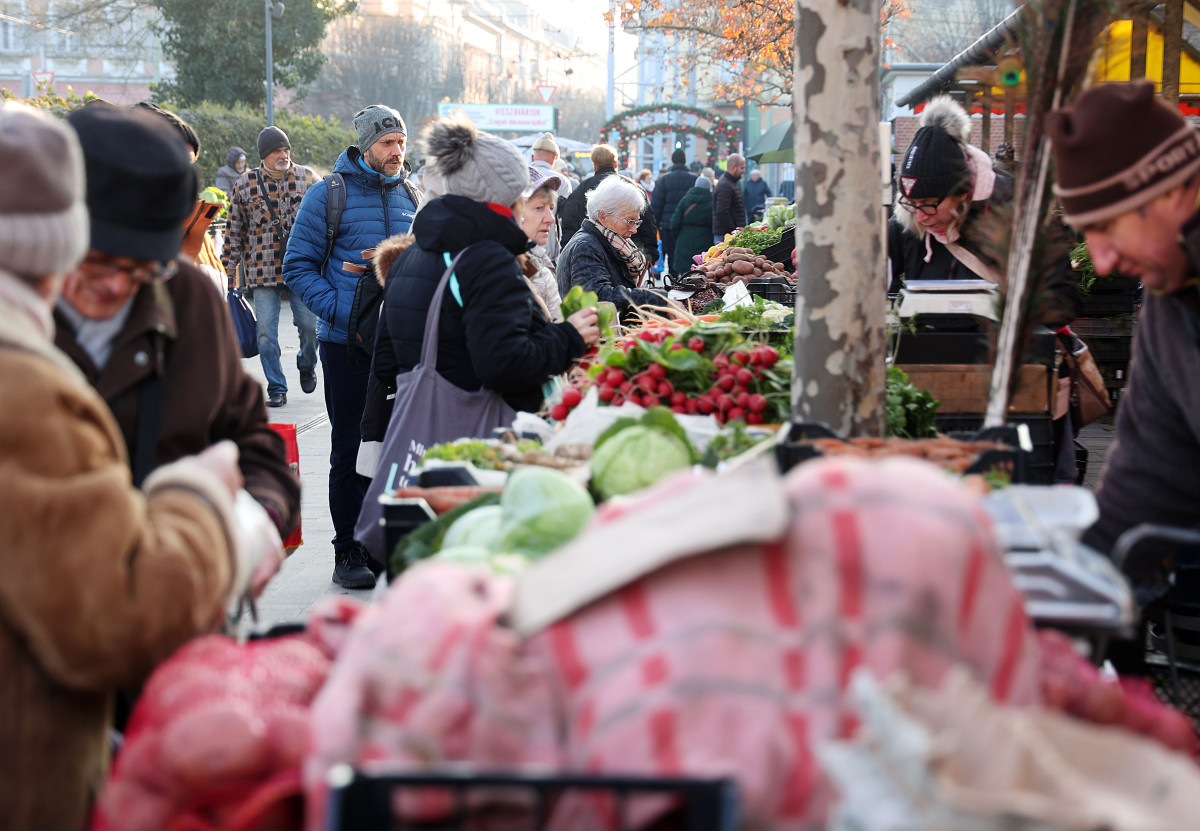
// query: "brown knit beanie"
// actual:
[[43, 221], [1116, 148]]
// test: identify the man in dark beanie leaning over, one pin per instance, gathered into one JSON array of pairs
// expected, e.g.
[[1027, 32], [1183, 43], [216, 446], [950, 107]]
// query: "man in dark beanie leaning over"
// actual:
[[1128, 171], [262, 209], [672, 187], [952, 211], [99, 581], [150, 331], [380, 201]]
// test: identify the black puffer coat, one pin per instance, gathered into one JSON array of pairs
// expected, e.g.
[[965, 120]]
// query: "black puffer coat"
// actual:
[[498, 338]]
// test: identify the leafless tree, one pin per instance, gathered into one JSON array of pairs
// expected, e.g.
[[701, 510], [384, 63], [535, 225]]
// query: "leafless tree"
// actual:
[[387, 60], [938, 30]]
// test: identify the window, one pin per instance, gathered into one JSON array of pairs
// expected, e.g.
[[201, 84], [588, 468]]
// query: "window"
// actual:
[[14, 27]]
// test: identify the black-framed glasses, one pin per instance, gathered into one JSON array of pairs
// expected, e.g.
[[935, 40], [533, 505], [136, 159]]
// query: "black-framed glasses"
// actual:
[[926, 209], [103, 265]]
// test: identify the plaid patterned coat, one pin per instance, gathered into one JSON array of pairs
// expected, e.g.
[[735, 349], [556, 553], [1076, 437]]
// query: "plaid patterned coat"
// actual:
[[251, 237]]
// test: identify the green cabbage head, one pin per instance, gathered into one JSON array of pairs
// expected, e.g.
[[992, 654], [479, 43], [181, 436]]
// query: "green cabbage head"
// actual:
[[636, 458], [480, 527], [541, 509]]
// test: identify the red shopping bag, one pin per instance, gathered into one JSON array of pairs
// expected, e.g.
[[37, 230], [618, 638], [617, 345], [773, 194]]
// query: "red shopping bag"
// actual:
[[287, 432]]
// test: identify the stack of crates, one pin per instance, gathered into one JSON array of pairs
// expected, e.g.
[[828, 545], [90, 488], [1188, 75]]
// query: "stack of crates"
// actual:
[[1106, 325]]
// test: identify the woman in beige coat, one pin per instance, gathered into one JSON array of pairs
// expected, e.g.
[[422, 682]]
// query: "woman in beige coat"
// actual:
[[98, 581]]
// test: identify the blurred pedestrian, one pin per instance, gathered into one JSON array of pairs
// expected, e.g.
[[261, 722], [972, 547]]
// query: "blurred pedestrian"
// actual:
[[99, 581], [547, 157], [574, 210], [691, 224], [729, 211], [262, 210], [755, 193], [646, 179], [380, 201], [671, 188], [232, 170]]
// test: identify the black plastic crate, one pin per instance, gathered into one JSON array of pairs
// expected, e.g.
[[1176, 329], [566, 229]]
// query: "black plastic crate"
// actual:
[[361, 801], [775, 289], [1112, 350], [1116, 296], [1087, 327], [1042, 460], [781, 252]]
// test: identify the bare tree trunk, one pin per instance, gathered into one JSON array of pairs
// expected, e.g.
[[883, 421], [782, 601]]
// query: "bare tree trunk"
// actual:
[[839, 371]]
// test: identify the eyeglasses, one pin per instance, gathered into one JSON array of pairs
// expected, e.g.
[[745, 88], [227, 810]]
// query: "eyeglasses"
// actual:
[[139, 271], [630, 223], [926, 209]]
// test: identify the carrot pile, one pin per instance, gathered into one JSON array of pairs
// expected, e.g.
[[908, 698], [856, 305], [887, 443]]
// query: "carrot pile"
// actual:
[[950, 454]]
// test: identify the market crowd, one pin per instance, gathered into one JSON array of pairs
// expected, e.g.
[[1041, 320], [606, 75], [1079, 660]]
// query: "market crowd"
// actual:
[[146, 493]]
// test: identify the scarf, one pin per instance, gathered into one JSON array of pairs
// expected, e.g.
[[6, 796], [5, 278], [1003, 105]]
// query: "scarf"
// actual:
[[389, 180], [628, 252]]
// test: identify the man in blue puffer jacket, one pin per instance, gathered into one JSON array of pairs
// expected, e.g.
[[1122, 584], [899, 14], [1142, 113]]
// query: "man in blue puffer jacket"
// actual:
[[380, 202]]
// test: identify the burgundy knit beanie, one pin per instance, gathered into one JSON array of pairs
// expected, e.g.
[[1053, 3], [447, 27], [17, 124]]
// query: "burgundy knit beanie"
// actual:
[[1116, 148]]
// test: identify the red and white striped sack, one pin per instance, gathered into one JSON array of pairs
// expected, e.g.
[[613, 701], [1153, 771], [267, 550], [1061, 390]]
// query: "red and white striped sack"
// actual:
[[730, 661]]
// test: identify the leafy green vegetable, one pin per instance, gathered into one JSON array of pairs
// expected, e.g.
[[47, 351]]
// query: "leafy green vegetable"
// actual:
[[480, 527], [731, 441], [635, 458], [427, 539], [483, 454], [911, 413], [577, 299], [757, 238], [463, 554], [541, 509]]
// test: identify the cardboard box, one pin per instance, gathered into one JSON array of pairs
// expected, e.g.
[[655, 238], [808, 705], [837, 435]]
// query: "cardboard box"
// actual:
[[963, 388]]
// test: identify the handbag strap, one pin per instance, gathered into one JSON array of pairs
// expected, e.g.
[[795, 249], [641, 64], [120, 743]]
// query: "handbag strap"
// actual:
[[429, 346]]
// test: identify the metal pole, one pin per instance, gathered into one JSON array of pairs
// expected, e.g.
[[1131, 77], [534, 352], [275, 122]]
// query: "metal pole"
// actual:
[[270, 72], [612, 60]]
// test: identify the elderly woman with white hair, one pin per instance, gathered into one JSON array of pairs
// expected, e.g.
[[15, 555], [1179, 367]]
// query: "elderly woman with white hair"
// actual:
[[602, 257]]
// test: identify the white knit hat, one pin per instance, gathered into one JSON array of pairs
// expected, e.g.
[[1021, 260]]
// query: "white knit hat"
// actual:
[[476, 164], [43, 221]]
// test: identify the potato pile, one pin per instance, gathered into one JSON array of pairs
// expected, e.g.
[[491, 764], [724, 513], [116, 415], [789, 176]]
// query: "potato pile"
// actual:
[[740, 265]]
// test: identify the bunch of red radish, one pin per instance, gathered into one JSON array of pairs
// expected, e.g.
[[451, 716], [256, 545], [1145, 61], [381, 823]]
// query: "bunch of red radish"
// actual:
[[732, 390]]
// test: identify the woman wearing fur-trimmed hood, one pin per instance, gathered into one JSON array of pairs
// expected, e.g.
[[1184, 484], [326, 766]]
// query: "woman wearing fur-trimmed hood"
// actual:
[[946, 187], [952, 214]]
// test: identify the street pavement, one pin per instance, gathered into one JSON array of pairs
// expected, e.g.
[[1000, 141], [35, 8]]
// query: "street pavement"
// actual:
[[306, 575]]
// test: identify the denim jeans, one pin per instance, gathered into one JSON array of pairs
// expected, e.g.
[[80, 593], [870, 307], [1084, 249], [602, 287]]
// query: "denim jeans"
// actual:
[[345, 399], [266, 300]]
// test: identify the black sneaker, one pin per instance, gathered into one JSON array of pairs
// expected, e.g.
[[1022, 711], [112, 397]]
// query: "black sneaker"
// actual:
[[308, 381], [350, 569], [277, 399]]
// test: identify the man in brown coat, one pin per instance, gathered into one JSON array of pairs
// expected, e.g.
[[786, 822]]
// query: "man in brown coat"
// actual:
[[151, 333], [98, 581]]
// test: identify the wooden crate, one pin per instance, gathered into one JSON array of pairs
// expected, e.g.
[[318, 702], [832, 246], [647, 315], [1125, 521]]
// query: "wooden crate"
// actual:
[[963, 388]]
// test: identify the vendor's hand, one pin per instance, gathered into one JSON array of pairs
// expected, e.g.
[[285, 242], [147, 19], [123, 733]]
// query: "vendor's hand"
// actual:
[[586, 323], [221, 460], [267, 568], [261, 546]]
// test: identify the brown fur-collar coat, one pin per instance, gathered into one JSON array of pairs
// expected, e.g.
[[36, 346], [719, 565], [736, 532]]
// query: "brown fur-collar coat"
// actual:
[[98, 582]]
